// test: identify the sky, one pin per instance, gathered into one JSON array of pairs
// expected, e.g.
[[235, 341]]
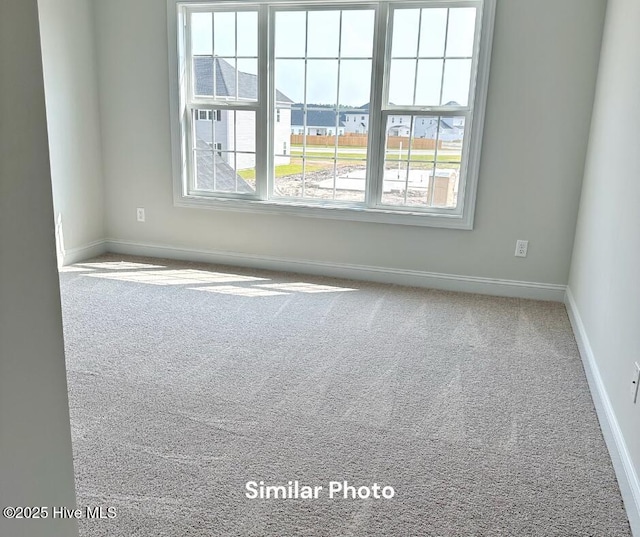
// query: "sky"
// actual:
[[217, 34]]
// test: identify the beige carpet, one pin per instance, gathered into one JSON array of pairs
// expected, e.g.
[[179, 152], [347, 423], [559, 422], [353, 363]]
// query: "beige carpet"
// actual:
[[187, 381]]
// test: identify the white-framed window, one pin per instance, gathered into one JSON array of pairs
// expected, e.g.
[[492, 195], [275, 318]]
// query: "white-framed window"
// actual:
[[244, 62], [204, 115]]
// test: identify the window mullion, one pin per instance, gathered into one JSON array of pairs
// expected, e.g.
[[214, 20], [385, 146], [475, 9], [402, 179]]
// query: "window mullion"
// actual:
[[264, 114], [375, 149]]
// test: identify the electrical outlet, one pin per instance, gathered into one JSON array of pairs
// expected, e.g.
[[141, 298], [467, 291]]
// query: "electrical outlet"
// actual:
[[521, 248], [140, 214], [635, 383]]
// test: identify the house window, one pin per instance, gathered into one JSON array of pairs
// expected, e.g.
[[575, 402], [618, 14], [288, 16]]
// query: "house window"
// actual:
[[204, 115], [423, 61]]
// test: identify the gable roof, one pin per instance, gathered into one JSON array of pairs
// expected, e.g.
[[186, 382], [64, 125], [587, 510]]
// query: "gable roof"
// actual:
[[225, 78]]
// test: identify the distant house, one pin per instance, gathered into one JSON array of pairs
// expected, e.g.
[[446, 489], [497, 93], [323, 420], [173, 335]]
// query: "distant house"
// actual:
[[451, 129], [319, 122], [217, 128], [357, 121]]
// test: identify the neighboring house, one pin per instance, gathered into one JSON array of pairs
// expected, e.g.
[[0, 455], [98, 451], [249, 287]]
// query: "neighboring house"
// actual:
[[357, 121], [319, 122], [217, 128], [451, 129]]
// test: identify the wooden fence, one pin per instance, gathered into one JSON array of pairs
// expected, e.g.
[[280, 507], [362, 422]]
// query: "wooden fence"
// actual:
[[360, 140]]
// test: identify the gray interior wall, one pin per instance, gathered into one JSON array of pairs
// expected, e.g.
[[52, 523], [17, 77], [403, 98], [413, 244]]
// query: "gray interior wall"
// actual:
[[606, 261], [539, 107], [36, 467], [70, 77]]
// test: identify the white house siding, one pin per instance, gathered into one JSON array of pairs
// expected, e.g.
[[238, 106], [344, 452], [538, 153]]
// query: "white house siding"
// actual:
[[355, 124], [244, 130], [282, 137], [223, 134], [399, 125]]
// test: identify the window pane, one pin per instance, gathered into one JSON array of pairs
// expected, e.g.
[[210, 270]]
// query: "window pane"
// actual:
[[399, 127], [357, 33], [216, 172], [245, 130], [322, 82], [401, 82], [204, 170], [247, 33], [248, 79], [289, 76], [457, 77], [425, 132], [405, 33], [355, 82], [451, 138], [224, 34], [225, 78], [201, 34], [393, 187], [429, 82], [462, 24], [443, 189], [324, 33], [290, 33], [203, 76], [433, 32]]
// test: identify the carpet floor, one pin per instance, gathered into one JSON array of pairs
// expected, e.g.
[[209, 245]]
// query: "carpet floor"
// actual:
[[187, 381]]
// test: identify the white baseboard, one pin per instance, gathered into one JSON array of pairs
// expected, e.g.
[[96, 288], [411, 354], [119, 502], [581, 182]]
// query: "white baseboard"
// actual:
[[76, 255], [625, 472], [447, 282]]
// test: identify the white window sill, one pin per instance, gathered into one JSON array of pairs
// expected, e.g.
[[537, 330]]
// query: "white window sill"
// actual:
[[353, 213]]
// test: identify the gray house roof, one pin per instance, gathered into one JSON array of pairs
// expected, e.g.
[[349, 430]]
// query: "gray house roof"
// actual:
[[315, 118], [226, 178], [226, 80]]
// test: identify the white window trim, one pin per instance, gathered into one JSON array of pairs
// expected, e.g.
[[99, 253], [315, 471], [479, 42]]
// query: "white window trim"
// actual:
[[335, 210]]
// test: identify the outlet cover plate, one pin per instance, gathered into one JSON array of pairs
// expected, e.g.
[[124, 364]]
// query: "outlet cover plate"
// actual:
[[521, 248]]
